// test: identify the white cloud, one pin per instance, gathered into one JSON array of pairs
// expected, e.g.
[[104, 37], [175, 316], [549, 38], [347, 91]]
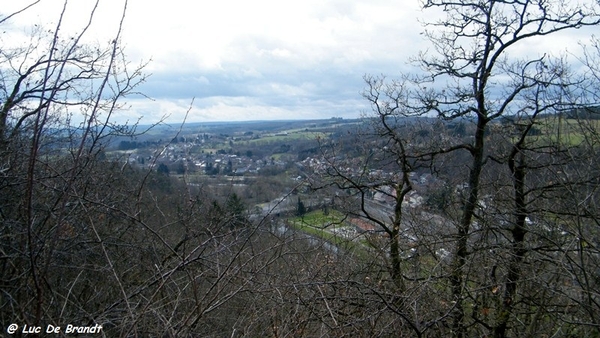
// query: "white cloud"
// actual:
[[272, 55], [257, 59]]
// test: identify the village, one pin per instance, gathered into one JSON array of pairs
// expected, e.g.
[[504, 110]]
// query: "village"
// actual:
[[245, 158]]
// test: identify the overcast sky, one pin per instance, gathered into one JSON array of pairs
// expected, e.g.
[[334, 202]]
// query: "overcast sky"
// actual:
[[252, 60]]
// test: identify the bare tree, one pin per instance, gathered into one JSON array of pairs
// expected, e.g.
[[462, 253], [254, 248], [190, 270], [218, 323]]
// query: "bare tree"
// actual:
[[474, 44], [89, 239], [505, 188], [47, 161]]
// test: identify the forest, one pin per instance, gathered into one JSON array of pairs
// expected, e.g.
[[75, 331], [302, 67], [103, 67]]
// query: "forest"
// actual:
[[462, 204]]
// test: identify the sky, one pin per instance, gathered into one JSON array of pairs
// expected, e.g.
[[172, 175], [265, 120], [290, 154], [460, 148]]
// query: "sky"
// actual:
[[250, 60]]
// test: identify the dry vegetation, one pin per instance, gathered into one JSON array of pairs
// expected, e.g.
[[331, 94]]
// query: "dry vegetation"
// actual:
[[509, 245]]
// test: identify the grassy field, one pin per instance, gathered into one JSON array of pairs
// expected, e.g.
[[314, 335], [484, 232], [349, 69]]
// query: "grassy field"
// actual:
[[295, 136], [323, 226], [566, 132], [318, 219]]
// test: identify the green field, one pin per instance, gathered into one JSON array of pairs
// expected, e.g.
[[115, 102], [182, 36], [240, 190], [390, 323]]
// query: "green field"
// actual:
[[563, 132], [320, 225], [571, 131], [303, 135]]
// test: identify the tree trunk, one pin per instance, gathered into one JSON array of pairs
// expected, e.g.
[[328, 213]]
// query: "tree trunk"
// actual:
[[456, 278], [518, 246]]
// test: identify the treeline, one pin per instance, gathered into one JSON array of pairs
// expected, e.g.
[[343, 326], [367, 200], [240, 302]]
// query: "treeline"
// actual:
[[582, 113]]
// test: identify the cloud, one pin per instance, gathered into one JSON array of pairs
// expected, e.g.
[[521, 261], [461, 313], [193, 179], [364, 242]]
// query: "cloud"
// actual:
[[273, 53], [239, 60], [257, 59]]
